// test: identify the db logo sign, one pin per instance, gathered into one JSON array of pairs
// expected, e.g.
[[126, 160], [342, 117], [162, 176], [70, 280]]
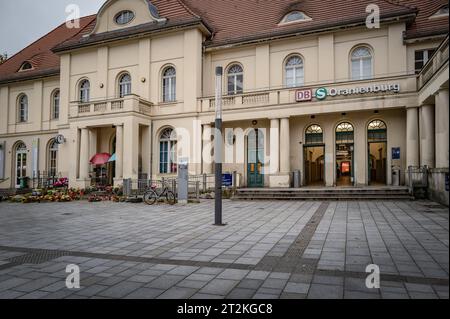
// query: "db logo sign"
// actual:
[[303, 95]]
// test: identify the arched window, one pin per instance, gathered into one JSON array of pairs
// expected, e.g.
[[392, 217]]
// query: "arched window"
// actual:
[[344, 133], [52, 165], [377, 131], [295, 16], [85, 88], [55, 104], [124, 85], [361, 63], [23, 108], [21, 162], [26, 66], [235, 79], [314, 134], [168, 151], [169, 84], [294, 71]]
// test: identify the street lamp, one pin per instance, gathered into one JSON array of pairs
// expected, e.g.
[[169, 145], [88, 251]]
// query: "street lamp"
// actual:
[[218, 149]]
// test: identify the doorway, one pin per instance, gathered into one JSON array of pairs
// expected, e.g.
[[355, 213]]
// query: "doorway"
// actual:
[[344, 154], [314, 156], [21, 163], [255, 158], [377, 152]]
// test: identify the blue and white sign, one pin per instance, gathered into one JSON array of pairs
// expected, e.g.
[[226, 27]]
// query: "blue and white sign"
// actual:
[[396, 153], [227, 180]]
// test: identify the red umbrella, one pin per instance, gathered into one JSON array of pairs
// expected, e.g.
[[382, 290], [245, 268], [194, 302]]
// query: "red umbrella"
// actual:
[[100, 158]]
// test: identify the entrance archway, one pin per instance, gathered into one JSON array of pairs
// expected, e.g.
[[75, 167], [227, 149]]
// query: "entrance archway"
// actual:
[[377, 152], [344, 154], [20, 163], [313, 156], [255, 158]]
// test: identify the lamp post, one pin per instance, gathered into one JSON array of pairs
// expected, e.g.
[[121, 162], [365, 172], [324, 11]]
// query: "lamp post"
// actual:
[[218, 149]]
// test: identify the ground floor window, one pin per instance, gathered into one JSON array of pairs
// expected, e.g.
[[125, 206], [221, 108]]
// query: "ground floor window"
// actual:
[[167, 152], [21, 162], [52, 159]]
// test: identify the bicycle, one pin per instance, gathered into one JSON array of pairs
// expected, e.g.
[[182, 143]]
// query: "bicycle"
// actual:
[[151, 195]]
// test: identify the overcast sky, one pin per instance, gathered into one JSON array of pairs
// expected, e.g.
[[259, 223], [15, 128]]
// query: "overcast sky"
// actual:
[[24, 21]]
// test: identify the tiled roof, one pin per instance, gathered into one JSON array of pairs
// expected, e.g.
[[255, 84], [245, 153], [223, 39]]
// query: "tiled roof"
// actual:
[[39, 54], [236, 20], [423, 25], [231, 21]]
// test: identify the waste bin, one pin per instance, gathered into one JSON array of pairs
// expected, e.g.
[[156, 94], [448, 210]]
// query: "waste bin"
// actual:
[[24, 182], [297, 179], [395, 176]]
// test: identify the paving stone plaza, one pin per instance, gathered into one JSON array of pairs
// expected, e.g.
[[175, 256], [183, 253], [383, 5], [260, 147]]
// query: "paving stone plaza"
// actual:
[[268, 249]]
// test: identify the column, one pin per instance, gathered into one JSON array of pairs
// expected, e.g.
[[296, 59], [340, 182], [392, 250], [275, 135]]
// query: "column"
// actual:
[[131, 149], [412, 137], [441, 121], [427, 137], [285, 165], [274, 146], [207, 147], [92, 142], [84, 154], [119, 151]]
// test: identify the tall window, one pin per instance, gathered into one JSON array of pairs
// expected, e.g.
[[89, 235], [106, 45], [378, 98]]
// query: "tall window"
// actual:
[[124, 85], [21, 162], [55, 102], [23, 108], [361, 61], [85, 88], [235, 79], [294, 71], [52, 159], [169, 84], [421, 58], [168, 151]]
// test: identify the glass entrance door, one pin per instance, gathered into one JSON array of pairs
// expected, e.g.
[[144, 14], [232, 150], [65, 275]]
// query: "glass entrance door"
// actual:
[[255, 158], [344, 155]]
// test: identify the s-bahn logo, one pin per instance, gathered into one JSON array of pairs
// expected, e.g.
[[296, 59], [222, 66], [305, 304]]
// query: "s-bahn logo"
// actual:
[[321, 93]]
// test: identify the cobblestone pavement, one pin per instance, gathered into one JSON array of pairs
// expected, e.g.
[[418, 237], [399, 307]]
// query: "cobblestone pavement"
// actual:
[[268, 249]]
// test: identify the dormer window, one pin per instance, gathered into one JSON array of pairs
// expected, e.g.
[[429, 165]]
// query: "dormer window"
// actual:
[[124, 17], [26, 66], [295, 16], [442, 12]]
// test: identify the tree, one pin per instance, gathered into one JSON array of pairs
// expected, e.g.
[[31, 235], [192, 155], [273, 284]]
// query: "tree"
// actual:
[[3, 57]]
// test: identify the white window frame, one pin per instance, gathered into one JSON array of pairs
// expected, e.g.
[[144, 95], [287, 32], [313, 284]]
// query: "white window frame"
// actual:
[[169, 85], [52, 164], [168, 144], [84, 92], [56, 99], [295, 69], [23, 108], [425, 57], [124, 86], [361, 60], [234, 76]]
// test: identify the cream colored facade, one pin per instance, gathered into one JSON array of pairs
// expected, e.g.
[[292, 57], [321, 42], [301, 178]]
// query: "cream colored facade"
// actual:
[[137, 120]]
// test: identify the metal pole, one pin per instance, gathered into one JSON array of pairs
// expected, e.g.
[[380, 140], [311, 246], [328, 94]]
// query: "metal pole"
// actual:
[[218, 149]]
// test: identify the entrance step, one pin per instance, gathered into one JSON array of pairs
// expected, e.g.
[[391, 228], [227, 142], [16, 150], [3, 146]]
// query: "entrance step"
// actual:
[[325, 193]]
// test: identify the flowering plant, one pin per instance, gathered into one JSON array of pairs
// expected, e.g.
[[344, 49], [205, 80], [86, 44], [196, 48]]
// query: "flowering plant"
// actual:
[[61, 182]]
